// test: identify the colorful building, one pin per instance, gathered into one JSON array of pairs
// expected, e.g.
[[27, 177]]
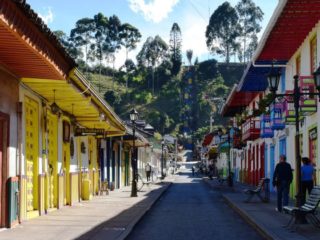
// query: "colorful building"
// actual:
[[51, 121], [290, 46]]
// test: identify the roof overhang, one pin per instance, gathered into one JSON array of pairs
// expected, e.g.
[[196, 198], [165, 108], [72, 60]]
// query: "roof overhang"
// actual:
[[207, 139], [291, 22], [255, 78], [27, 47], [236, 101], [76, 98], [139, 140]]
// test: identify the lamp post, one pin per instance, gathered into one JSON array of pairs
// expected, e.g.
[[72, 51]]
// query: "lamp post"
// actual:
[[162, 160], [230, 179], [133, 118], [273, 79]]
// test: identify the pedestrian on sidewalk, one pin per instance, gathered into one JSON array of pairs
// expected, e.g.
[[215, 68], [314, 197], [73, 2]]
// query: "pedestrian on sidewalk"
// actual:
[[148, 171], [193, 170], [282, 178], [307, 172]]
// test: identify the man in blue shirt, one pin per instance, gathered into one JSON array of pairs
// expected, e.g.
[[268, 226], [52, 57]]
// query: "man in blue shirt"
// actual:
[[307, 171]]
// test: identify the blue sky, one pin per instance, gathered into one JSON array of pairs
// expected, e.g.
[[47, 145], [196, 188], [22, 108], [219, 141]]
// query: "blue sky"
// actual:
[[151, 17]]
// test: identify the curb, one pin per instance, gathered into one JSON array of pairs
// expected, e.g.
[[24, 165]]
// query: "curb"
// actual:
[[260, 229], [140, 215]]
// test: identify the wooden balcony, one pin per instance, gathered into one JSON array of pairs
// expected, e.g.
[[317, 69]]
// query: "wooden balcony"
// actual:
[[251, 129]]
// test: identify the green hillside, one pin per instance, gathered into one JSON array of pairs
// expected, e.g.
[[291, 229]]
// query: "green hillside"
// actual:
[[164, 108]]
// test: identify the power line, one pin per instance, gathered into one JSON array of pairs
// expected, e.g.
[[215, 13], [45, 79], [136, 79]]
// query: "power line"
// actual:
[[196, 9]]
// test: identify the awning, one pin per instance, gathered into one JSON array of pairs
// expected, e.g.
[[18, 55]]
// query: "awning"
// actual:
[[207, 139], [291, 22], [28, 48], [77, 98], [213, 150], [255, 79], [236, 101], [32, 53], [139, 141], [224, 147]]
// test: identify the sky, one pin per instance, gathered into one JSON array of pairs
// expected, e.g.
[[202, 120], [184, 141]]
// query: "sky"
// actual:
[[151, 17]]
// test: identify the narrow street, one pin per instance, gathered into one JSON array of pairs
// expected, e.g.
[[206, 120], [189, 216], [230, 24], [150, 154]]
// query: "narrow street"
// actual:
[[191, 210]]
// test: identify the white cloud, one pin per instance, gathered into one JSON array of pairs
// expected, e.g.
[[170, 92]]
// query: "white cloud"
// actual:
[[154, 10], [47, 17], [193, 36]]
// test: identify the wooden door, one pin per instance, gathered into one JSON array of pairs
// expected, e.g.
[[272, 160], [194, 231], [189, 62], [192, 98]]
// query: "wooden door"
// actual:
[[32, 152], [52, 148], [4, 144]]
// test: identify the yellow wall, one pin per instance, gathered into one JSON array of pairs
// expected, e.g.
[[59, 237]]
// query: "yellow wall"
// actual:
[[93, 164], [32, 153], [74, 180]]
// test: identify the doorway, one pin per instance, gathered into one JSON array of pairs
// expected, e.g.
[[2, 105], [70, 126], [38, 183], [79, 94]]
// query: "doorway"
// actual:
[[4, 144]]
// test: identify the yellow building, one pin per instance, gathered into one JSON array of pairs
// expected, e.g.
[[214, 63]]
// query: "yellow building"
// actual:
[[59, 117]]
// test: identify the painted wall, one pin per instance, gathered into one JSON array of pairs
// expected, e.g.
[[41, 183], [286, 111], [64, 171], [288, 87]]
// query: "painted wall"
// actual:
[[9, 97]]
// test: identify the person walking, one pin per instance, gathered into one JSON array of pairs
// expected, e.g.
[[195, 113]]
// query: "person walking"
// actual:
[[307, 171], [282, 178], [148, 171], [193, 169]]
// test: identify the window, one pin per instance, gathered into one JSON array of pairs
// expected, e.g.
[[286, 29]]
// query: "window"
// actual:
[[282, 146], [313, 54]]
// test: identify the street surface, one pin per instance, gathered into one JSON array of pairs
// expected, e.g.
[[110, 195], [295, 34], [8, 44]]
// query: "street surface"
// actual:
[[191, 210]]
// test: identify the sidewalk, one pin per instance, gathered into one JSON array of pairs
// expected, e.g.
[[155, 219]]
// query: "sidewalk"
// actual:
[[262, 216], [109, 217]]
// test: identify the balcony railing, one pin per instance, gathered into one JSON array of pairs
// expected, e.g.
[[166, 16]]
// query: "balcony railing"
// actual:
[[265, 127], [276, 116], [251, 129], [308, 104]]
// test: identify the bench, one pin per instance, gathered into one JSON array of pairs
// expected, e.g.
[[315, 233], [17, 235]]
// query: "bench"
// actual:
[[307, 209], [104, 187], [258, 190]]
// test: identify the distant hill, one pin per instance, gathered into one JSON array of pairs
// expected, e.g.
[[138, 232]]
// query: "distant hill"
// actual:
[[164, 109]]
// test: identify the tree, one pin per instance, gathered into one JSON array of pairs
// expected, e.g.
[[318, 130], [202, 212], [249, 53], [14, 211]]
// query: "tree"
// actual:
[[153, 53], [189, 54], [73, 50], [250, 17], [175, 48], [82, 35], [222, 31], [130, 36], [113, 41], [252, 47], [129, 67], [100, 33]]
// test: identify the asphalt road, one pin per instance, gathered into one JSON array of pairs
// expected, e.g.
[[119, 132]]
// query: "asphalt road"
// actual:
[[191, 210]]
